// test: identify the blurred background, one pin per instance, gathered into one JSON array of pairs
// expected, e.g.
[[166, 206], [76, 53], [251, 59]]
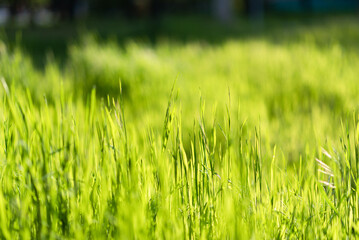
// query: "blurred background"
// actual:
[[45, 26], [43, 12], [290, 65], [48, 25]]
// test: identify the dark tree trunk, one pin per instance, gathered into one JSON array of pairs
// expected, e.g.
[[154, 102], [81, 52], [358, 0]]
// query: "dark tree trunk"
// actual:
[[254, 8], [65, 8], [222, 10]]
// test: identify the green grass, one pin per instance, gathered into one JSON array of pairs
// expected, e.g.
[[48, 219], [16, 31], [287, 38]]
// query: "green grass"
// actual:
[[184, 139]]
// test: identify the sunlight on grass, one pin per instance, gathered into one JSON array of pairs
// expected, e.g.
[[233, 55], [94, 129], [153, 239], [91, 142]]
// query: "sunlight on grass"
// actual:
[[255, 139]]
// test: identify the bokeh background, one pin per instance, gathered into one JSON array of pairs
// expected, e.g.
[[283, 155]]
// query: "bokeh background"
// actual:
[[175, 119], [50, 25], [290, 66]]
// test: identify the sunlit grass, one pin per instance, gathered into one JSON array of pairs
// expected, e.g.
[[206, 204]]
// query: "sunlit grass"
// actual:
[[246, 138]]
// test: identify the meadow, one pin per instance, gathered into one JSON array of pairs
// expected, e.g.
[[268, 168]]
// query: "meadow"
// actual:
[[241, 132]]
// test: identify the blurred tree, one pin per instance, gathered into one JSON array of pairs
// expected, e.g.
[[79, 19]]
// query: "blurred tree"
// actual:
[[16, 6], [65, 8], [223, 10], [254, 8]]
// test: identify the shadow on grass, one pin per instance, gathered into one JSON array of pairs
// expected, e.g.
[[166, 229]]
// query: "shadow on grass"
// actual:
[[39, 42]]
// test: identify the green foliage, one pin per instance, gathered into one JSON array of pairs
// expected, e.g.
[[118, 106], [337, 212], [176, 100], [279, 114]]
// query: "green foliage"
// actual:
[[253, 140]]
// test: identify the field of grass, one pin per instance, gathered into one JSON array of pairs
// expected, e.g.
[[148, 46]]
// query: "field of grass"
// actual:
[[250, 135]]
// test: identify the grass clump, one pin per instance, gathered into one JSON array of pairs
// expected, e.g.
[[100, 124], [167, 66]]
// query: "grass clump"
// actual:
[[255, 140], [78, 171]]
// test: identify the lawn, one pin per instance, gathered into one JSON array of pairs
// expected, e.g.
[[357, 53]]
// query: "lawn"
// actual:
[[181, 129]]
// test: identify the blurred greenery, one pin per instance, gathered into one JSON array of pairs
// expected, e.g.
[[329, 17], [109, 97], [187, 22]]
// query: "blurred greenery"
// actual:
[[39, 42], [251, 106], [286, 72]]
